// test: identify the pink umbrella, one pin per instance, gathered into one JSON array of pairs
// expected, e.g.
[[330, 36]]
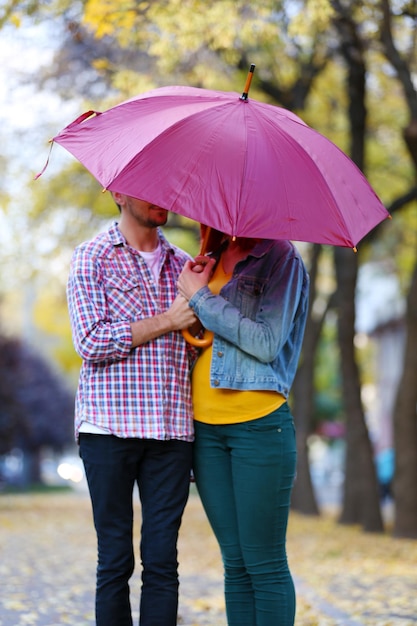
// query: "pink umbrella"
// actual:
[[240, 166]]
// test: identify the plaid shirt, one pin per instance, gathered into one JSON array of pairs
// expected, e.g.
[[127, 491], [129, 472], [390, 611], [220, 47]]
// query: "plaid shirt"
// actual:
[[142, 392]]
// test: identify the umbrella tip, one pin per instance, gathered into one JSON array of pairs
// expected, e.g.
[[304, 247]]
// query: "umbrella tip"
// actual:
[[354, 249], [246, 88]]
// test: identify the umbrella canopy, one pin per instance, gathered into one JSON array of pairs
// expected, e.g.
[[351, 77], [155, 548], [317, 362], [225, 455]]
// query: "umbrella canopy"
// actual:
[[240, 166]]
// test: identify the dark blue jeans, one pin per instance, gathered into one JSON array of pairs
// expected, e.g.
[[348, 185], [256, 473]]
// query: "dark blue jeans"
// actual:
[[161, 470], [244, 474]]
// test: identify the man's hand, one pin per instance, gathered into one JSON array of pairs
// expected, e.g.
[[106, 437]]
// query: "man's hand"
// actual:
[[177, 317], [180, 314]]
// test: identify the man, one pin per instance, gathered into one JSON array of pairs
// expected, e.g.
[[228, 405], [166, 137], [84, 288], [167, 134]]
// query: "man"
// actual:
[[133, 416]]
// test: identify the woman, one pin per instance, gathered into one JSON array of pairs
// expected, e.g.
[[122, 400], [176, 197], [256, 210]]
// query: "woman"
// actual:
[[253, 295]]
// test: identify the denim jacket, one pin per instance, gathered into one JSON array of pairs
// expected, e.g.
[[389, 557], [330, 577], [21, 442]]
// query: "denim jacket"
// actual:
[[258, 320]]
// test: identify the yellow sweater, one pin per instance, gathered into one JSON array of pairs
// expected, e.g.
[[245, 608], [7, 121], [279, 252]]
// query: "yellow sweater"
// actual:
[[226, 406]]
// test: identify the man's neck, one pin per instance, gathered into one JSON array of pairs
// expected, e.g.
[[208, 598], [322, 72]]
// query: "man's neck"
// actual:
[[139, 237]]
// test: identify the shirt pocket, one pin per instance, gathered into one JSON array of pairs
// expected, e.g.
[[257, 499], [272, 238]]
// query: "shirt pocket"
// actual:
[[124, 297], [250, 290]]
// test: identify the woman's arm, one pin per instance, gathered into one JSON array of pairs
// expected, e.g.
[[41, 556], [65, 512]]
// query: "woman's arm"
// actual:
[[264, 336]]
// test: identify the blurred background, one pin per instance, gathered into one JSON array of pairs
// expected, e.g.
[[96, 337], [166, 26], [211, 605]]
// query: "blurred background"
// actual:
[[349, 70]]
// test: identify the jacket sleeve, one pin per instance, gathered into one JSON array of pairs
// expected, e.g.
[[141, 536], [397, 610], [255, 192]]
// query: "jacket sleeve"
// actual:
[[279, 307]]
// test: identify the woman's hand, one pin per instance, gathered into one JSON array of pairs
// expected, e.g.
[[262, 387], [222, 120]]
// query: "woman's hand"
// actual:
[[195, 275]]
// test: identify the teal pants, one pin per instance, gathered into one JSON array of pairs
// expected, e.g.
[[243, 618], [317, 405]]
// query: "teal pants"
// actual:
[[244, 474]]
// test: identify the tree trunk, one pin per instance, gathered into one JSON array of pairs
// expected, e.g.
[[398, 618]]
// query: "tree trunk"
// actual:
[[361, 495], [303, 496], [405, 428], [31, 472], [405, 418]]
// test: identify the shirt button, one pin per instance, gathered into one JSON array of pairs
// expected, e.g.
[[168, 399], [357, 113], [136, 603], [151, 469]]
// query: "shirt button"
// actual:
[[216, 383], [220, 354]]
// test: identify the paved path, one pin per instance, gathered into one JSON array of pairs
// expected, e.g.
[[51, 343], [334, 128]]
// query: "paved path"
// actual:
[[47, 571]]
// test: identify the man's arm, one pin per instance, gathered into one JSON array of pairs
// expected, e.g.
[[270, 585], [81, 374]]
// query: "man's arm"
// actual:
[[177, 317]]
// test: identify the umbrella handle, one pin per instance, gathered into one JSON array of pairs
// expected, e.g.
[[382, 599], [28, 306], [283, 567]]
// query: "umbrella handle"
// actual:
[[195, 341]]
